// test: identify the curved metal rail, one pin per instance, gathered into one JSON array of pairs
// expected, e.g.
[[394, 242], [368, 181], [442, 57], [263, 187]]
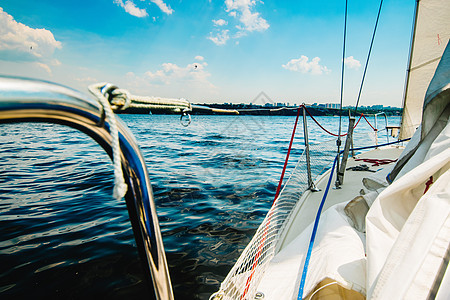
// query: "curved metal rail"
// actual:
[[26, 100]]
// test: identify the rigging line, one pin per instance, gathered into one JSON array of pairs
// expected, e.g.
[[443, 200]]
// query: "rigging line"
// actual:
[[342, 66], [338, 141], [368, 56]]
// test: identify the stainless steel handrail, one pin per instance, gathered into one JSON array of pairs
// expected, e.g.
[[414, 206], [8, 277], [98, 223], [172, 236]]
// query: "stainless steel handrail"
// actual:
[[386, 127], [26, 100]]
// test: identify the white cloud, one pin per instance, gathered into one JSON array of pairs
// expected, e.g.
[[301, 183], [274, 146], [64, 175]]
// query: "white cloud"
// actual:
[[238, 4], [239, 34], [171, 73], [303, 65], [164, 8], [352, 63], [88, 80], [55, 62], [199, 57], [251, 21], [132, 9], [221, 37], [19, 42], [242, 13], [220, 22], [45, 67], [191, 81]]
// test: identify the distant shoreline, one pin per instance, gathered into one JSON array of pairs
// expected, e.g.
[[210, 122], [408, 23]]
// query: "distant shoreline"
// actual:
[[266, 110]]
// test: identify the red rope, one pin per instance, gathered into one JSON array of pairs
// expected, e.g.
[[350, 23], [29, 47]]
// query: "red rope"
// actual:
[[333, 134], [428, 184], [360, 117], [287, 155], [376, 162], [266, 228], [374, 129]]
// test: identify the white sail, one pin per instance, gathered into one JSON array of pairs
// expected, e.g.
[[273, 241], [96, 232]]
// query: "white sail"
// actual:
[[431, 34]]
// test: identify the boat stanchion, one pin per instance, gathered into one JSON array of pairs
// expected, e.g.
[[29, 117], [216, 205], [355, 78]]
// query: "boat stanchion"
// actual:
[[386, 127], [348, 143], [311, 185]]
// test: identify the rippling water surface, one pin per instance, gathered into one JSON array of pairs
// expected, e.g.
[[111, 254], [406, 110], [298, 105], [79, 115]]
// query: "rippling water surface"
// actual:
[[63, 235]]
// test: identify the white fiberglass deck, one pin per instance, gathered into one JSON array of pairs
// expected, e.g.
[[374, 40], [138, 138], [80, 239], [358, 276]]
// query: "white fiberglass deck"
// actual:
[[305, 213]]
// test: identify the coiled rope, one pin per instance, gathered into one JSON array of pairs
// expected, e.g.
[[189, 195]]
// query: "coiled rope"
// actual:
[[99, 91]]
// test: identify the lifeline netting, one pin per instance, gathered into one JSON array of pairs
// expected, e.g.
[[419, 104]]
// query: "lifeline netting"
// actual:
[[243, 279]]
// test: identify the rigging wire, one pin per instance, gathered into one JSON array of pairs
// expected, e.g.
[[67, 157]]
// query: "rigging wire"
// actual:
[[368, 57], [338, 141]]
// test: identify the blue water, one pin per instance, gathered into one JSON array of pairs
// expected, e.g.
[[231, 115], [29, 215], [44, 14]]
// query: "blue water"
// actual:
[[63, 235]]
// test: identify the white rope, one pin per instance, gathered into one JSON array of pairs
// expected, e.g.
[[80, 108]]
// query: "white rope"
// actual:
[[152, 106], [120, 188], [124, 95], [321, 288], [161, 101], [122, 99]]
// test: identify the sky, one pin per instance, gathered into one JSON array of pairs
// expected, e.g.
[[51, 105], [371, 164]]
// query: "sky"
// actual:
[[212, 51]]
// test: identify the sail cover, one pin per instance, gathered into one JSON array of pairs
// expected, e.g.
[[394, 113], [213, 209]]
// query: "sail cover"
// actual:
[[431, 34]]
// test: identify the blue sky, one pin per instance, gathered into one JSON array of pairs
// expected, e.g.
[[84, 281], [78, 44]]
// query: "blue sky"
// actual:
[[211, 51]]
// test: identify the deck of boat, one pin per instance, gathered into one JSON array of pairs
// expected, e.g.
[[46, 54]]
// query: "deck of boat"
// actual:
[[305, 212]]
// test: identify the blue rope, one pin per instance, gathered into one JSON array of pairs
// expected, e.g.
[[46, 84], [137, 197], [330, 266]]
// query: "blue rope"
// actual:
[[319, 212], [376, 146], [314, 232]]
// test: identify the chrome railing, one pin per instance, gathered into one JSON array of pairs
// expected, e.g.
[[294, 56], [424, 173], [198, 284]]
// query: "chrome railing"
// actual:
[[386, 126], [26, 100]]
